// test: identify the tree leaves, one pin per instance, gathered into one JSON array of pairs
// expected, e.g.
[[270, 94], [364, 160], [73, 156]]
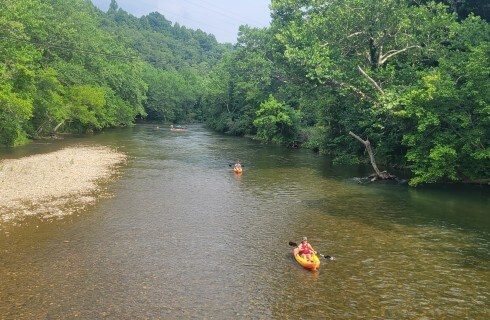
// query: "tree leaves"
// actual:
[[66, 66], [276, 122], [406, 74]]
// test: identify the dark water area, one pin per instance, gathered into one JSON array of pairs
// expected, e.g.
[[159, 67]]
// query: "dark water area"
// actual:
[[183, 237]]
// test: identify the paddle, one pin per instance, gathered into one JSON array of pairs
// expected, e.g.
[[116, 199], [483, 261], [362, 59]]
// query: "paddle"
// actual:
[[232, 165], [294, 244]]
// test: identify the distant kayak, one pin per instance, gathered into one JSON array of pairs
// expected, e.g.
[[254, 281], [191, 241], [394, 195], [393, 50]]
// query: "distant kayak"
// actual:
[[310, 265], [237, 170], [178, 128]]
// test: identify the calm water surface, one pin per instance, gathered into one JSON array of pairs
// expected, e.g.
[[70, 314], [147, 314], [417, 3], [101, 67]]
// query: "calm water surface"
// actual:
[[183, 237]]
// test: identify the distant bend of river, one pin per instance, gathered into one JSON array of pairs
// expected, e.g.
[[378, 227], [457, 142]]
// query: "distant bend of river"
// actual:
[[182, 236]]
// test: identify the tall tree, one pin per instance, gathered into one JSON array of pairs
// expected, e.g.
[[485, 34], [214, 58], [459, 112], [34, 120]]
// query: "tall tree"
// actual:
[[402, 73]]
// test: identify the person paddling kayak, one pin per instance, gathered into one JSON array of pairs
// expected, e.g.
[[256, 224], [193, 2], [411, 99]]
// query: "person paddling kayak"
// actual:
[[305, 249], [305, 255], [237, 167]]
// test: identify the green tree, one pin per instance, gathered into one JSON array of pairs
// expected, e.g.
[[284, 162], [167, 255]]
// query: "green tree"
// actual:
[[409, 75], [394, 60], [15, 112], [449, 113], [276, 122], [18, 65]]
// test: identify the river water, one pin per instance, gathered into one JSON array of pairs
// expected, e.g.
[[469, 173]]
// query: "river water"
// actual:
[[183, 237]]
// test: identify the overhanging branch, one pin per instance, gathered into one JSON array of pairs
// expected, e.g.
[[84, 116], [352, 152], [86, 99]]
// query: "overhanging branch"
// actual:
[[392, 53], [377, 86], [379, 175], [355, 34]]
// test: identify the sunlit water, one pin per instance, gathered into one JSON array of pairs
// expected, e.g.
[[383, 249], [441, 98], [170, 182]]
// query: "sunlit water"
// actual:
[[184, 237]]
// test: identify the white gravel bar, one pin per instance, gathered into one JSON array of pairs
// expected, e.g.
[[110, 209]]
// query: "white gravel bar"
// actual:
[[55, 184]]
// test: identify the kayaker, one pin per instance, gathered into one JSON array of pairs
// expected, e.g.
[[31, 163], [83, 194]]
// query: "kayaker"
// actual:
[[238, 165], [305, 249]]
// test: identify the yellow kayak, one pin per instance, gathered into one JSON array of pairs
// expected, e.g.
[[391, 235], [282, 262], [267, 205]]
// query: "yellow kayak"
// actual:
[[310, 265]]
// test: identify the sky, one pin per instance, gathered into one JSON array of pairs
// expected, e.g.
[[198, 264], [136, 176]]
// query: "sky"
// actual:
[[219, 17]]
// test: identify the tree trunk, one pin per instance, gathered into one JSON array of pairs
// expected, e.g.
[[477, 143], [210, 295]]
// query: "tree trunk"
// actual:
[[58, 126], [379, 175], [373, 54]]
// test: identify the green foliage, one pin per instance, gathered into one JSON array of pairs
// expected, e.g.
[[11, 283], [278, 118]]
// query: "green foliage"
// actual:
[[313, 137], [439, 165], [14, 114], [463, 8], [276, 122], [241, 82], [49, 102], [67, 66], [411, 76], [172, 95], [449, 110], [177, 62]]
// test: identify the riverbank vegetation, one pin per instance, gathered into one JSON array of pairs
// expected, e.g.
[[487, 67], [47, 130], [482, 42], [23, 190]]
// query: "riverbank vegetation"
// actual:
[[411, 77], [65, 66]]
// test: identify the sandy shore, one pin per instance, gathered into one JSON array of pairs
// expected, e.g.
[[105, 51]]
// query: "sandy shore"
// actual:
[[54, 184]]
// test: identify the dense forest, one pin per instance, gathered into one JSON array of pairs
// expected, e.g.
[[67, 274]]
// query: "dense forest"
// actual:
[[65, 66], [412, 76]]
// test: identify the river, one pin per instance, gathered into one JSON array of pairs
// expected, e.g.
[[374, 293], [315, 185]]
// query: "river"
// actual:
[[183, 237]]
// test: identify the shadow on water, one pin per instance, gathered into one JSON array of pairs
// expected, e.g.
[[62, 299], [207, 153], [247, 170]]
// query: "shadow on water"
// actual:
[[460, 207], [453, 205]]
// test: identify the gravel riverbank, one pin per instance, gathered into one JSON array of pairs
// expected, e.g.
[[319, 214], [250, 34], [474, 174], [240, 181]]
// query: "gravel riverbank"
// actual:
[[54, 184]]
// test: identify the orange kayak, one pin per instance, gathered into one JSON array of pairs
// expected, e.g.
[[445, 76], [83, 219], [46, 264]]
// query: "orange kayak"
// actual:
[[237, 170], [312, 265]]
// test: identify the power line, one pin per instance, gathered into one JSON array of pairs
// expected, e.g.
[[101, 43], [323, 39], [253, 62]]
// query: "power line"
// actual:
[[194, 20], [202, 23], [218, 12], [227, 12]]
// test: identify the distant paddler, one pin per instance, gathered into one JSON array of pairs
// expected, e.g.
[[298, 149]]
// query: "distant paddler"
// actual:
[[237, 167], [178, 128]]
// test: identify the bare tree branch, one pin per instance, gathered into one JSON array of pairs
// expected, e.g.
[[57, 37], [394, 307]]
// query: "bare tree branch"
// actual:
[[355, 34], [377, 86], [367, 144], [392, 53], [58, 126], [379, 175]]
